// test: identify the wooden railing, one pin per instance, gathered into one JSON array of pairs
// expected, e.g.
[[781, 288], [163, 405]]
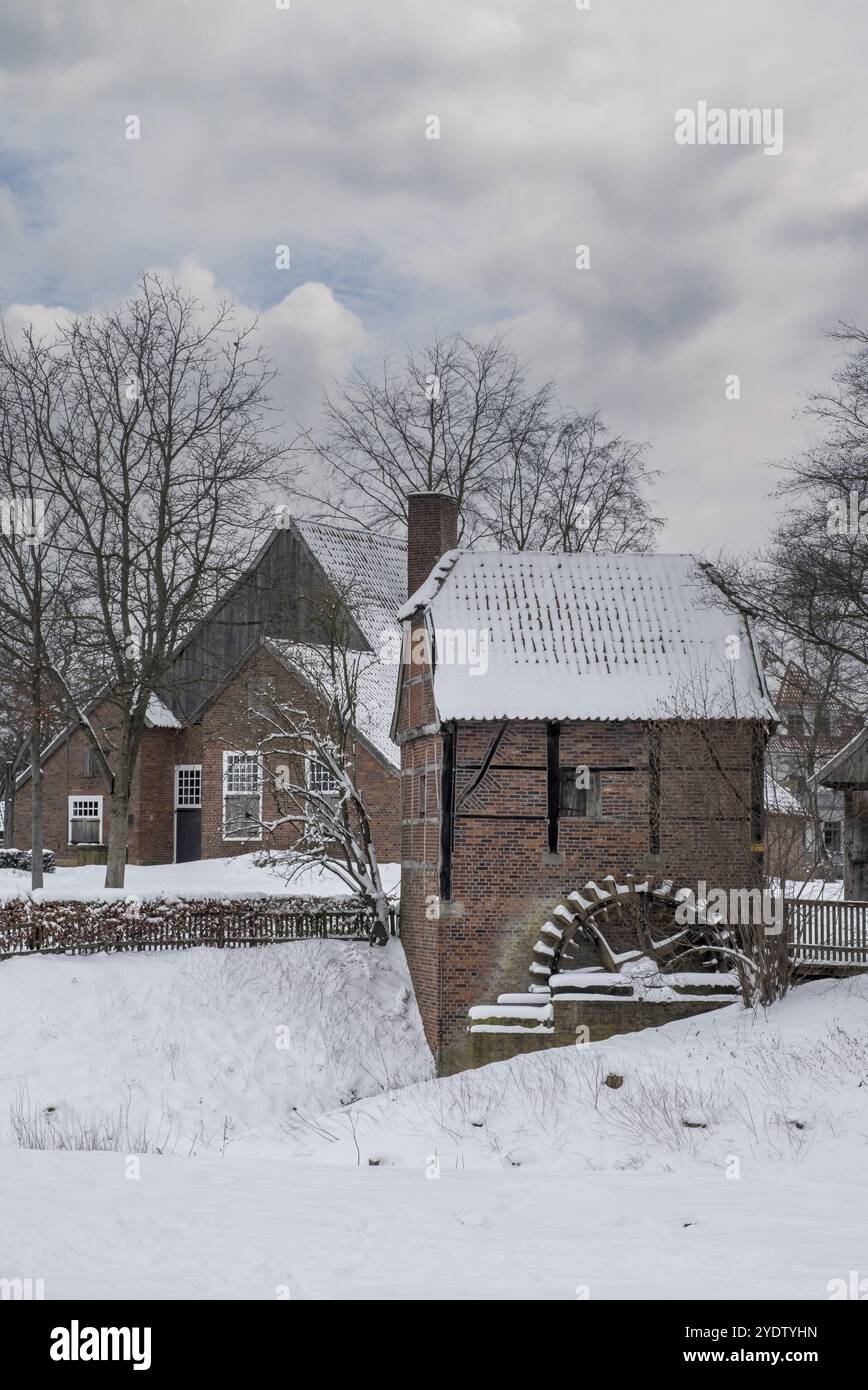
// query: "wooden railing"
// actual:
[[827, 933], [28, 928]]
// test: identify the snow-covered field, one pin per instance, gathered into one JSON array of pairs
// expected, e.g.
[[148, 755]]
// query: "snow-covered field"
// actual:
[[237, 876], [731, 1162], [264, 1228]]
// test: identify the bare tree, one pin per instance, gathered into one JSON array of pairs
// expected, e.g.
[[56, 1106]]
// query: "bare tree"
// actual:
[[458, 416], [308, 751], [440, 422], [35, 588], [149, 423], [569, 484], [810, 585], [818, 718]]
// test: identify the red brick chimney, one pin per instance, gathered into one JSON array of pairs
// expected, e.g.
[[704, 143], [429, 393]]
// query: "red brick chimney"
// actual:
[[432, 529]]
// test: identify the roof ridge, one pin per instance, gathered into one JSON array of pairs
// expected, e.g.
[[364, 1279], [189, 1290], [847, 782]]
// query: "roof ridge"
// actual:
[[351, 530]]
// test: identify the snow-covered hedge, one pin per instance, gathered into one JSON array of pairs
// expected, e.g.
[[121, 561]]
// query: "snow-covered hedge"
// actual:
[[22, 858], [47, 924]]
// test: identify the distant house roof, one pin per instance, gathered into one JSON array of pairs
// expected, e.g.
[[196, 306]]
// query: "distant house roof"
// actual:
[[779, 801], [370, 569], [849, 766], [157, 716], [587, 637]]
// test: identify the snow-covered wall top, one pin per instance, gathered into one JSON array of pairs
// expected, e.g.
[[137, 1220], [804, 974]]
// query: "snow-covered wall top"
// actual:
[[587, 637]]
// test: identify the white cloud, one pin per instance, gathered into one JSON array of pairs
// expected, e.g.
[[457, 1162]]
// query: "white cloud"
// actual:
[[310, 337], [19, 317], [313, 340], [306, 126]]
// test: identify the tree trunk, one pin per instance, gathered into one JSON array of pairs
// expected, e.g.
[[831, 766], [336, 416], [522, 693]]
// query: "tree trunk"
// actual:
[[379, 933], [116, 860], [119, 809], [37, 837], [9, 808]]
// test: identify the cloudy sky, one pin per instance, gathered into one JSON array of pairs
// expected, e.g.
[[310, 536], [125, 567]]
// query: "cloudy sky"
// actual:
[[306, 126]]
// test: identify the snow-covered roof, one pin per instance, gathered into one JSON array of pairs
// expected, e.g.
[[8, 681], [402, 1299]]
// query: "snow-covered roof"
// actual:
[[375, 688], [779, 800], [370, 569], [586, 637]]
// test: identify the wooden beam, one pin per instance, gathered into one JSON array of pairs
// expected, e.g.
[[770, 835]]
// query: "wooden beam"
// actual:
[[553, 780], [447, 816]]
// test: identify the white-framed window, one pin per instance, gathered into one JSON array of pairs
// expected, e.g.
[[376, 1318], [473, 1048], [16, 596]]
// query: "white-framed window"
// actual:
[[321, 779], [188, 786], [242, 796], [85, 820]]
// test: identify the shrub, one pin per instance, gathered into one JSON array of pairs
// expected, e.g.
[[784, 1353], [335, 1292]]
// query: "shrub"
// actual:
[[21, 859]]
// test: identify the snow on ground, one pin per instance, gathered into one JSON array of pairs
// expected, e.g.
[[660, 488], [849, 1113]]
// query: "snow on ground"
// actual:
[[237, 876], [783, 1090], [188, 1050], [830, 889], [262, 1228], [731, 1162]]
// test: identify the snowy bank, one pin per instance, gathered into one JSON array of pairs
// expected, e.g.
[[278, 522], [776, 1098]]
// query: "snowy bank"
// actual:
[[189, 1050], [783, 1088], [729, 1162]]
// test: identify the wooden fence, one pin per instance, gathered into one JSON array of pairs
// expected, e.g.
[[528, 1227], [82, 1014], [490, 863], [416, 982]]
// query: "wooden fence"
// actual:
[[824, 934], [28, 928]]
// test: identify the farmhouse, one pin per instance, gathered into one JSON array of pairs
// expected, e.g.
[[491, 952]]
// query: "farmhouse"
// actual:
[[619, 726], [198, 790], [815, 725]]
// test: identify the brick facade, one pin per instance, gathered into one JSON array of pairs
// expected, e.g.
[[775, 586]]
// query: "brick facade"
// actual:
[[227, 724]]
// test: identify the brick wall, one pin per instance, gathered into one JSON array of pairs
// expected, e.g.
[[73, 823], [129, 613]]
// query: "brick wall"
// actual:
[[603, 1019], [65, 775], [421, 755], [230, 725]]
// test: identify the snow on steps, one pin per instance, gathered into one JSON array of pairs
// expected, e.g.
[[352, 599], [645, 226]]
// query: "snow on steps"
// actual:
[[514, 1013]]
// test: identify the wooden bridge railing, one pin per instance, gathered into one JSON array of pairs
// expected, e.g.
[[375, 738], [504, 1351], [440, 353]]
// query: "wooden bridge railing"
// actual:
[[825, 932]]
